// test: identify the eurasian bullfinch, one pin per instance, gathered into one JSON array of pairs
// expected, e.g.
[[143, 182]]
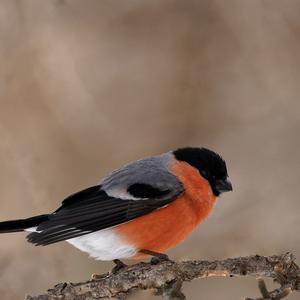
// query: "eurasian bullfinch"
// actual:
[[144, 208]]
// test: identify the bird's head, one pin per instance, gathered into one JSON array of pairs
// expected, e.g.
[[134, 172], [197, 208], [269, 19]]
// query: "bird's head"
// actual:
[[209, 164]]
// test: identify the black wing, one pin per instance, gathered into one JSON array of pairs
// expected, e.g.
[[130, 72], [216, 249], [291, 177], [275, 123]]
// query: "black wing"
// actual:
[[92, 210]]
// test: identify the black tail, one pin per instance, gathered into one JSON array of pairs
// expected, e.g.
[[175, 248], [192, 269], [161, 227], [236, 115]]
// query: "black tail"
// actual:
[[22, 224]]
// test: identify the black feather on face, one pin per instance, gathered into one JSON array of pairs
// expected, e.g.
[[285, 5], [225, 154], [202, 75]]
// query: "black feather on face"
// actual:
[[210, 165]]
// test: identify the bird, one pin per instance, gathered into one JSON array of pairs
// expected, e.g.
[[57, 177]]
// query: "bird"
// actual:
[[141, 210]]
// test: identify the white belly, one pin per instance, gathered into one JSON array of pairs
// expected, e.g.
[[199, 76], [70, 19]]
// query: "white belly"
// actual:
[[104, 245]]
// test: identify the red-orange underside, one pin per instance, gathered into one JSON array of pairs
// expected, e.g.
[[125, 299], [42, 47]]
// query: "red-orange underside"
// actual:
[[168, 226]]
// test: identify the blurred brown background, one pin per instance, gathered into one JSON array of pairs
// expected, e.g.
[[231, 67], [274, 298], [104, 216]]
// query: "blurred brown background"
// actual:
[[86, 86]]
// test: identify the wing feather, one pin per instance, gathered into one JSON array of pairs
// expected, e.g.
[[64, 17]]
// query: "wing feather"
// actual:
[[91, 214]]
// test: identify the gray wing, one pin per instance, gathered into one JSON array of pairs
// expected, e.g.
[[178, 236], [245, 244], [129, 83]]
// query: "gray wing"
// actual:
[[140, 179]]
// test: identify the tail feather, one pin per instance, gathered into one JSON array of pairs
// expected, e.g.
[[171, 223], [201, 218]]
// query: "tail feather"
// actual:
[[22, 224]]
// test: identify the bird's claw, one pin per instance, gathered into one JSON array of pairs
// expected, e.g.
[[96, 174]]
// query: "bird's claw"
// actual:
[[119, 266], [159, 258]]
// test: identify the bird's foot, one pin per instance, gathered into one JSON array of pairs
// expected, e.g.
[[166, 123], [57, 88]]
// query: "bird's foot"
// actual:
[[159, 258], [119, 266], [156, 256]]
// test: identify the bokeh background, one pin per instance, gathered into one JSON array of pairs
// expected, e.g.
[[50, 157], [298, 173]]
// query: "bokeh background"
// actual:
[[86, 86]]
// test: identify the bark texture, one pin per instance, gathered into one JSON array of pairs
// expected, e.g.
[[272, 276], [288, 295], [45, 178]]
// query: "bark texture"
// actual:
[[166, 278]]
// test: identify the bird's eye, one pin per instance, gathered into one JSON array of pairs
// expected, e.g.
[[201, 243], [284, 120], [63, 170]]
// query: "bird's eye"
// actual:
[[204, 173]]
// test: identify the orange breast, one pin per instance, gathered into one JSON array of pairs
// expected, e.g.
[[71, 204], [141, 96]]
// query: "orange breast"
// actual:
[[168, 226]]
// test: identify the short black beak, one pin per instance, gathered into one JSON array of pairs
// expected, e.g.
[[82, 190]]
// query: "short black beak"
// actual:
[[223, 185]]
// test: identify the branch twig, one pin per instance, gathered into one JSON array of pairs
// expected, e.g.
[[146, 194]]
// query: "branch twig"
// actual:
[[167, 277]]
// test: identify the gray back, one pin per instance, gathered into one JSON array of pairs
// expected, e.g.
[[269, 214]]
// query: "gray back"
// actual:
[[153, 171]]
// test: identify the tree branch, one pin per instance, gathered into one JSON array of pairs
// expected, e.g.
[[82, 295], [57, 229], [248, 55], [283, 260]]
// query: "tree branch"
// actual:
[[167, 277]]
